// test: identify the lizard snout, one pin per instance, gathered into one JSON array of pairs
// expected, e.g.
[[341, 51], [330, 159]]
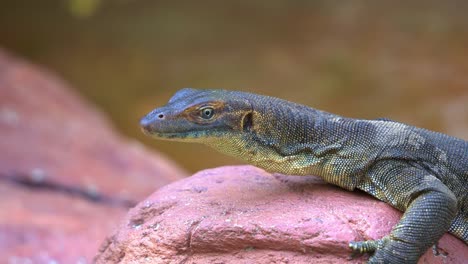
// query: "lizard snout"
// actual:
[[149, 122]]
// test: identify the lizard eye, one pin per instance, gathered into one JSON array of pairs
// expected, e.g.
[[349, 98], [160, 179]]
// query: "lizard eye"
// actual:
[[207, 113]]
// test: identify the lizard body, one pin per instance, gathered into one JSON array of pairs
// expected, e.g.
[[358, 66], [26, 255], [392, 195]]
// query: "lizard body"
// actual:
[[420, 172]]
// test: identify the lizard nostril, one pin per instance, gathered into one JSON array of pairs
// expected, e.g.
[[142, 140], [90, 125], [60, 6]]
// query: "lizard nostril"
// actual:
[[161, 116]]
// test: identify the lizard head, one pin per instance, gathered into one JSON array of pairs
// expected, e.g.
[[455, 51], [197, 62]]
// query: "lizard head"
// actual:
[[194, 115]]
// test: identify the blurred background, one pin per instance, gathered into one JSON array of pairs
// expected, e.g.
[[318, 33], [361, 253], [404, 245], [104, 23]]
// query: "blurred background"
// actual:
[[404, 60]]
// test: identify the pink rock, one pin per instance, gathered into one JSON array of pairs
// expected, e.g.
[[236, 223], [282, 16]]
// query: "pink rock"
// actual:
[[66, 178], [245, 215], [51, 134]]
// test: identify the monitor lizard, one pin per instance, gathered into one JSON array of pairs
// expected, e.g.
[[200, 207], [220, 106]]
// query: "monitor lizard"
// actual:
[[420, 172]]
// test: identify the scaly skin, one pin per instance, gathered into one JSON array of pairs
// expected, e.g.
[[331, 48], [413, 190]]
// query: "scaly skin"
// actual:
[[420, 172]]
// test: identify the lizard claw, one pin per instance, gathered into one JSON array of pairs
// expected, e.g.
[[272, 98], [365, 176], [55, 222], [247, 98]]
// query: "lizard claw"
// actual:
[[367, 246], [362, 247]]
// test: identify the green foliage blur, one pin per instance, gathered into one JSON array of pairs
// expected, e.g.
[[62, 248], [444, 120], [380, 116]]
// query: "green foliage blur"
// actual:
[[83, 8], [405, 60]]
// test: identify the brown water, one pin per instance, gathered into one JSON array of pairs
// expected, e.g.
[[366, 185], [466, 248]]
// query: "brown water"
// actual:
[[404, 61]]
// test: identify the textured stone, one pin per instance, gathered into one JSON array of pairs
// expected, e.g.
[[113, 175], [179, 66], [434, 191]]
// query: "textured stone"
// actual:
[[245, 215], [66, 178]]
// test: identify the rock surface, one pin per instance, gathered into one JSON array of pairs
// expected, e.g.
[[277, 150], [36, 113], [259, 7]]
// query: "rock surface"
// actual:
[[245, 215], [66, 178]]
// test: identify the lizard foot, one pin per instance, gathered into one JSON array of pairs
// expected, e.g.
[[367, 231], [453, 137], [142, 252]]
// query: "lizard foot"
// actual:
[[437, 251], [386, 250], [369, 246]]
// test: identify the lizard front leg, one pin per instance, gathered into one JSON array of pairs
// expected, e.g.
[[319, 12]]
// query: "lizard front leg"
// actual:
[[429, 210]]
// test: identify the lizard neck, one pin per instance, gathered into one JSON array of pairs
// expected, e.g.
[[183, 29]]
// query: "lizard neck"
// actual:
[[293, 139]]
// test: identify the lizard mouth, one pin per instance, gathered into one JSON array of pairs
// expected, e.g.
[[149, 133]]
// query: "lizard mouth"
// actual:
[[174, 136], [167, 136], [148, 130]]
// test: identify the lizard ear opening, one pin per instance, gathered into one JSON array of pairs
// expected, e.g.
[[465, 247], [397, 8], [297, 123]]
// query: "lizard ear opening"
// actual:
[[247, 122]]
